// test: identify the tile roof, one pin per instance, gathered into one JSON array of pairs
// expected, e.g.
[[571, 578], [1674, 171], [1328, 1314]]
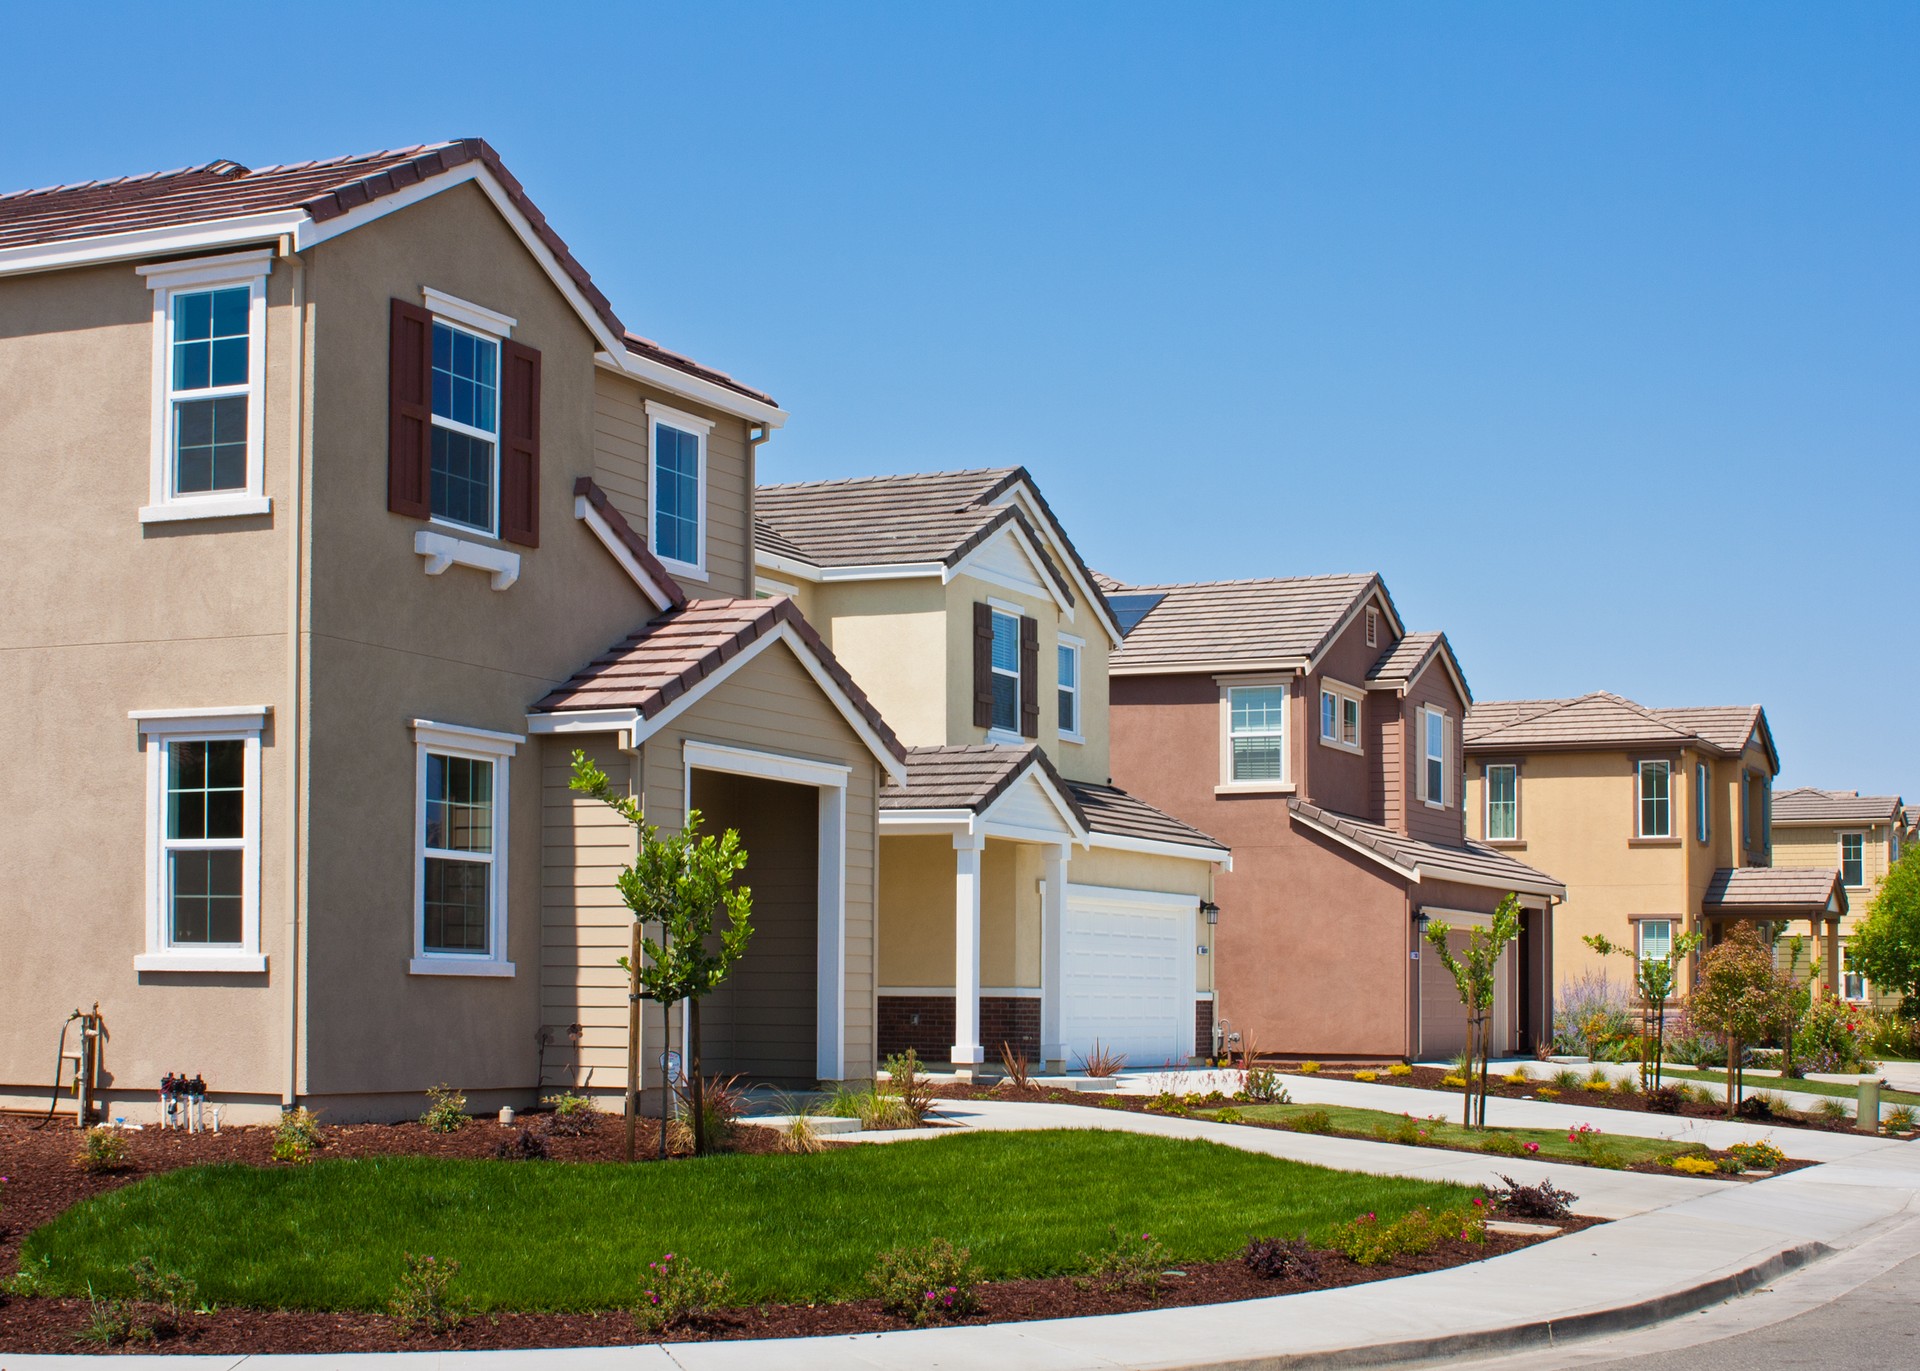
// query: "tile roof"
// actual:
[[1602, 719], [1239, 623], [322, 190], [1809, 805], [1774, 889], [1401, 664], [970, 777], [1468, 864], [673, 653], [1112, 810]]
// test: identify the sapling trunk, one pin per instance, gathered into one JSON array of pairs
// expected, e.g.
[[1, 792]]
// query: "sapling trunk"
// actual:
[[696, 1084], [633, 1040]]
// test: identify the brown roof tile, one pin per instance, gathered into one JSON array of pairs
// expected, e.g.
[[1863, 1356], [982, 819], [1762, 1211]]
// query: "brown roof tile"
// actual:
[[1808, 805], [1112, 810], [1401, 664], [1782, 889], [1468, 864], [1238, 623], [1603, 720], [970, 776], [586, 486]]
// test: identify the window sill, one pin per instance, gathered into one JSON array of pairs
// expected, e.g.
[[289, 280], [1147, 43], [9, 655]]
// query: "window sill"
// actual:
[[458, 966], [213, 507], [442, 551], [1434, 804], [1656, 842], [1073, 737], [1353, 748], [1253, 788], [1506, 844], [231, 963], [682, 572], [1006, 739]]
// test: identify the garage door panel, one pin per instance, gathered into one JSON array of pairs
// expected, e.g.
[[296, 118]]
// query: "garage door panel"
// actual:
[[1128, 978]]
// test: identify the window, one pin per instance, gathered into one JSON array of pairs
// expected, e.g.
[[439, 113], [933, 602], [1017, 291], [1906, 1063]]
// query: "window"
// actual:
[[1656, 940], [464, 460], [1503, 803], [1006, 673], [677, 488], [1656, 799], [210, 324], [1069, 653], [1853, 854], [1702, 823], [203, 849], [1746, 809], [1373, 628], [460, 841], [1340, 718], [1256, 726], [1434, 751], [1853, 985]]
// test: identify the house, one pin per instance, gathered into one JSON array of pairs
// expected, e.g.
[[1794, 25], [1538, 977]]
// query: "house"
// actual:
[[1297, 721], [342, 508], [1658, 820], [1025, 900], [1863, 835]]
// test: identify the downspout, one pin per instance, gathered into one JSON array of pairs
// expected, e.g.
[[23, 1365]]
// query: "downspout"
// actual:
[[289, 728], [756, 435]]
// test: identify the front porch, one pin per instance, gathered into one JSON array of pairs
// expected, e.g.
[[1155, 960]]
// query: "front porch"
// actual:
[[1774, 899]]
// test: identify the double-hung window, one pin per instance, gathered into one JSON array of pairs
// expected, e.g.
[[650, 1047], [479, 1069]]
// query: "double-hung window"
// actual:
[[1656, 940], [464, 463], [677, 488], [1853, 985], [1503, 802], [1069, 689], [1853, 859], [1256, 728], [203, 839], [1433, 727], [1006, 672], [460, 840], [1340, 718], [1702, 803], [1655, 799], [210, 330]]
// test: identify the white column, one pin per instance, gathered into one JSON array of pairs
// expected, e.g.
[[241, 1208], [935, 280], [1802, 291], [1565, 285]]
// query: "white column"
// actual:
[[1053, 914], [967, 1053], [830, 991]]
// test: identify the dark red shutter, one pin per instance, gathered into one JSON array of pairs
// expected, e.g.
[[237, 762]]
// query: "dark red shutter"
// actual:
[[982, 665], [520, 445], [1029, 677], [409, 409]]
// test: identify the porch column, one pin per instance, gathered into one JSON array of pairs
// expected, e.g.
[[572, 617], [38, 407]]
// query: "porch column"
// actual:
[[967, 1054], [1053, 913], [1833, 956]]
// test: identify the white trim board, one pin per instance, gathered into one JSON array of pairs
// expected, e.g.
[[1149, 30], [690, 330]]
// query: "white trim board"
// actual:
[[595, 521]]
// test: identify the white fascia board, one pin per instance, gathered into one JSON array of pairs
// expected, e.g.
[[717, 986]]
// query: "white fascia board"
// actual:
[[155, 242], [907, 822], [584, 511], [1223, 671], [773, 766], [1120, 842], [622, 723], [1489, 882], [1070, 825], [1404, 873], [883, 571], [689, 386], [786, 566], [1019, 535], [1090, 593]]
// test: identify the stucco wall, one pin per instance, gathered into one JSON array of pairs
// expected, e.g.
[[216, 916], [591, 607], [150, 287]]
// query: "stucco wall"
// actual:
[[1332, 776], [891, 636]]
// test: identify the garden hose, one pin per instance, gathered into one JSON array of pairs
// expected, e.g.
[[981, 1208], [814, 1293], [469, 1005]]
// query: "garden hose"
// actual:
[[59, 1057]]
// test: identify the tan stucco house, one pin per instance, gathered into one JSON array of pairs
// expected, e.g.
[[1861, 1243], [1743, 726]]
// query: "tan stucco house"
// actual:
[[1657, 820], [1025, 900], [340, 508], [1862, 835]]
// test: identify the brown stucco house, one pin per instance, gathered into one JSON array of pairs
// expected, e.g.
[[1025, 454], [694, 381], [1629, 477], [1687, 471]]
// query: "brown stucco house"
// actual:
[[1297, 721], [1025, 900], [1862, 836], [341, 507]]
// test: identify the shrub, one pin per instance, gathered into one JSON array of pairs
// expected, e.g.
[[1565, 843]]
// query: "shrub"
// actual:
[[297, 1136], [572, 1116], [1547, 1092], [1263, 1086], [1400, 1069], [1590, 1012], [1228, 1115], [524, 1146], [909, 1084], [1166, 1102], [1664, 1099], [1368, 1242], [1279, 1259], [1453, 1081], [1695, 1166], [1832, 1110], [1101, 1061], [1566, 1078], [1126, 1263], [1627, 1085], [102, 1150], [1832, 1035], [1517, 1076], [1015, 1064], [1502, 1145], [446, 1110], [1598, 1076], [1309, 1068], [113, 1323], [1544, 1200], [1402, 1130], [1600, 1087], [1759, 1105], [1366, 1075], [1899, 1119], [161, 1300], [424, 1297], [1311, 1121], [928, 1284], [33, 1278], [1757, 1156], [1594, 1149], [676, 1293], [722, 1100]]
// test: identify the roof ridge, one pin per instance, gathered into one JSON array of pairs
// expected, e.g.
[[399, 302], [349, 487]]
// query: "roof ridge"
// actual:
[[225, 166], [901, 476], [1128, 587]]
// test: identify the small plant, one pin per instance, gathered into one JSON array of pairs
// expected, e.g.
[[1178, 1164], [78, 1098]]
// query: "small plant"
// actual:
[[113, 1323], [168, 1292], [1229, 1115], [1013, 1061], [800, 1133], [1599, 1087], [1400, 1069], [1100, 1061], [1402, 1130], [1166, 1102], [1595, 1150], [573, 1115], [1311, 1121], [1309, 1068], [1547, 1092], [1544, 1200], [297, 1136], [1502, 1145], [1758, 1105], [524, 1146], [1566, 1078], [1665, 1099], [1832, 1110], [1126, 1263], [33, 1278], [1627, 1085], [929, 1284], [1453, 1081], [909, 1084], [719, 1101], [424, 1297], [1279, 1259], [1757, 1156], [1532, 1149], [1899, 1119], [1368, 1076], [676, 1293], [446, 1110], [876, 1112], [1263, 1086], [1518, 1076], [102, 1150], [1598, 1076], [1367, 1242], [1695, 1166]]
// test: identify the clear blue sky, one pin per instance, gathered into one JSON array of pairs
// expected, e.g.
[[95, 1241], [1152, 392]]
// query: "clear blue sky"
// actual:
[[1595, 329]]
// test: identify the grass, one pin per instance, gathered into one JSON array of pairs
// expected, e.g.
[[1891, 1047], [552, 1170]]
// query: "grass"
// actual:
[[534, 1236], [1553, 1141], [1776, 1085]]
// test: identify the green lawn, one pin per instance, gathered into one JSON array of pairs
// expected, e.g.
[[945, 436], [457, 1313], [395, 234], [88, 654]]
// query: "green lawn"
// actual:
[[1553, 1141], [539, 1236], [1775, 1085]]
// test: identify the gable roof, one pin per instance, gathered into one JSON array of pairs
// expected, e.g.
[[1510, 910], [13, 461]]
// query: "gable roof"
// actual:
[[1775, 890], [1402, 664], [682, 653], [1113, 811], [1416, 860], [1809, 805], [224, 204], [1243, 625], [1603, 720]]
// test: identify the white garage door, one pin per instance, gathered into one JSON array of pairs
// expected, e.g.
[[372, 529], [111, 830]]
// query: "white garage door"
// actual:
[[1128, 964]]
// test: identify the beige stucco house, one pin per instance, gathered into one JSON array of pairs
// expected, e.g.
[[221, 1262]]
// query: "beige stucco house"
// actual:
[[1657, 820], [340, 508], [1024, 900], [1861, 835]]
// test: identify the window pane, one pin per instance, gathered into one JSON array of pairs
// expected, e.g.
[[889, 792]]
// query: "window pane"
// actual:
[[1656, 940], [1006, 642], [457, 897], [1256, 759], [1852, 859], [210, 338], [206, 896], [1257, 707], [1068, 722], [462, 478], [459, 804], [676, 493], [1503, 808], [1350, 722], [1069, 668], [464, 388], [209, 445], [1327, 704], [205, 795], [1006, 702], [1655, 800]]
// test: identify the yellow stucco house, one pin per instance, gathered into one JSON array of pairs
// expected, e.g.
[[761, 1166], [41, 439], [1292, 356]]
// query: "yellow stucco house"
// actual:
[[1024, 900], [1862, 835], [1657, 820]]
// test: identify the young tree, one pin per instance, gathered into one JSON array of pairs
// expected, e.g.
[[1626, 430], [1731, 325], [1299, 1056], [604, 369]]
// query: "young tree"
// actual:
[[1742, 997], [1474, 979], [1653, 978], [679, 882], [1886, 944]]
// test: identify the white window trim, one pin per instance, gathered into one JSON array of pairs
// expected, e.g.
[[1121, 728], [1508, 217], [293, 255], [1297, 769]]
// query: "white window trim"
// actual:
[[1486, 817], [1861, 884], [701, 429], [451, 309], [996, 734], [158, 728], [168, 280], [1343, 695], [1077, 646], [481, 744], [1228, 785], [1640, 940], [1703, 803], [461, 318], [1428, 713], [1640, 797]]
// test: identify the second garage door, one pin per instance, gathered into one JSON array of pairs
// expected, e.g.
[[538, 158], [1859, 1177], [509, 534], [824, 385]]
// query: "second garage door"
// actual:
[[1128, 975]]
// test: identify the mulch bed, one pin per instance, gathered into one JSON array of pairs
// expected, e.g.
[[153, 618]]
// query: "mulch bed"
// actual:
[[42, 1181]]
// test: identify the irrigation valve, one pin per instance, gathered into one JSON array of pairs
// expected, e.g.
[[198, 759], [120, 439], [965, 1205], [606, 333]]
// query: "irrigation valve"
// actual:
[[183, 1103]]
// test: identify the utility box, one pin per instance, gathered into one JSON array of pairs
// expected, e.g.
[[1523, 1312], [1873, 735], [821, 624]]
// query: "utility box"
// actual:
[[1866, 1116]]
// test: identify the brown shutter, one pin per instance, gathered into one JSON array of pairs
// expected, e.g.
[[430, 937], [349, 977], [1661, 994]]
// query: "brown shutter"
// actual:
[[982, 665], [1029, 677], [409, 410], [520, 444]]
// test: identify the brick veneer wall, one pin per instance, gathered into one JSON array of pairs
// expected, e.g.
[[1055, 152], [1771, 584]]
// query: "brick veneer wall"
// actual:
[[925, 1023], [1203, 1028]]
